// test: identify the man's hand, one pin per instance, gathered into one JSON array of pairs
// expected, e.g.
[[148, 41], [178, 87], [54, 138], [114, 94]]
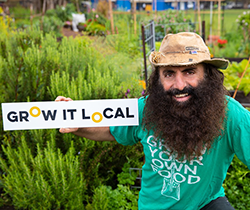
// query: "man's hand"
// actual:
[[65, 130], [62, 98]]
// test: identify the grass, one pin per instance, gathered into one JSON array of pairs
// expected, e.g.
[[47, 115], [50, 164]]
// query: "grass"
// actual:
[[228, 20]]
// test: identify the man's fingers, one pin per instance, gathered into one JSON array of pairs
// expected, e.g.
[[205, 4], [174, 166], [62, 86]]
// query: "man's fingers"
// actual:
[[62, 98], [68, 130]]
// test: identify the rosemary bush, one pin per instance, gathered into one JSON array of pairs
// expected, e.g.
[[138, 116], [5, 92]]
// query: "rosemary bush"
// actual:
[[50, 180]]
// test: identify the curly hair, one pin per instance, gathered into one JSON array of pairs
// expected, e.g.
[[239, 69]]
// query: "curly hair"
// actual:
[[190, 127]]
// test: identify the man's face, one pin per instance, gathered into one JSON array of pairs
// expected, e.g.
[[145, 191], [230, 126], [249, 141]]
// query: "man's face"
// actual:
[[185, 107], [180, 77]]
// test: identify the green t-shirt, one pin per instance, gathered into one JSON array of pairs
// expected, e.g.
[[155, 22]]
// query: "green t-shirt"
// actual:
[[170, 184]]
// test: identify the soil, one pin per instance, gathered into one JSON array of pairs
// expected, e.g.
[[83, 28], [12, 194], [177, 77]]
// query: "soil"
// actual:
[[69, 32]]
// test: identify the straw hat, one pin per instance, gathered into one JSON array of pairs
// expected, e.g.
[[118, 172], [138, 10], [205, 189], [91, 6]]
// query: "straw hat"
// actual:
[[183, 49]]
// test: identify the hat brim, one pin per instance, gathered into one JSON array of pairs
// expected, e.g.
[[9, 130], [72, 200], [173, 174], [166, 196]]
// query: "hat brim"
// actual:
[[217, 62]]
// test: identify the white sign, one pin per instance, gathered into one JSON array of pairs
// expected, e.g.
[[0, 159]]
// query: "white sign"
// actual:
[[71, 114]]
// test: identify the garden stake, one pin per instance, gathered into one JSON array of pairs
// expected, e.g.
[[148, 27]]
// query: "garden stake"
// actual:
[[241, 78]]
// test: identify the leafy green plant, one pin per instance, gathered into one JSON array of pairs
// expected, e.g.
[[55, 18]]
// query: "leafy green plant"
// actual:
[[63, 13], [95, 28], [127, 177], [51, 24], [121, 198], [97, 17], [233, 74], [231, 50], [237, 185], [95, 24], [50, 180], [19, 12], [129, 46], [104, 198]]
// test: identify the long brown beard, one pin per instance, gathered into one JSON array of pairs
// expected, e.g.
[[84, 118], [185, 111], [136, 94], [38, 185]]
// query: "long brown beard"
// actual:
[[187, 128]]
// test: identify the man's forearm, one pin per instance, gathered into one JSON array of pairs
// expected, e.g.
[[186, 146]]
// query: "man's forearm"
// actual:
[[96, 133]]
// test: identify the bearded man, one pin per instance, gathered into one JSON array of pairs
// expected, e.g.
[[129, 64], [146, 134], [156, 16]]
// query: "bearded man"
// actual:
[[190, 130]]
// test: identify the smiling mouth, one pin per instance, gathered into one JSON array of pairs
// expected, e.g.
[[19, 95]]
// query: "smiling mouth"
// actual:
[[181, 95]]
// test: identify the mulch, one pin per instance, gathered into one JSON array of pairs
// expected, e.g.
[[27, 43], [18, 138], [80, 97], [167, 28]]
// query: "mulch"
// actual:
[[69, 32]]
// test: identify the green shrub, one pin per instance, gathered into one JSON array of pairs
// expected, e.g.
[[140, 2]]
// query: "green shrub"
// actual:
[[19, 12], [125, 44], [121, 198], [233, 75], [95, 24], [50, 180], [94, 28], [51, 24], [97, 17], [237, 185], [63, 13], [126, 177]]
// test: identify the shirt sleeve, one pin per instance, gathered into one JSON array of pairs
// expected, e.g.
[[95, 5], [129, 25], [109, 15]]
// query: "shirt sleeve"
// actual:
[[241, 140], [125, 135], [129, 135]]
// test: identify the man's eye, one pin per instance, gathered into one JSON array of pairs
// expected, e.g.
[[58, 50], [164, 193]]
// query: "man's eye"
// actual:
[[168, 74], [190, 72]]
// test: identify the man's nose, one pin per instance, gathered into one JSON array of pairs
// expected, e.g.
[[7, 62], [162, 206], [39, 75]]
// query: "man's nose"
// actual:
[[180, 82]]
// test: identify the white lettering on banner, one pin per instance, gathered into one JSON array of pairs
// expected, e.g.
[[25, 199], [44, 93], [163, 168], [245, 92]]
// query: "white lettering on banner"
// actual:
[[174, 172], [88, 113]]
